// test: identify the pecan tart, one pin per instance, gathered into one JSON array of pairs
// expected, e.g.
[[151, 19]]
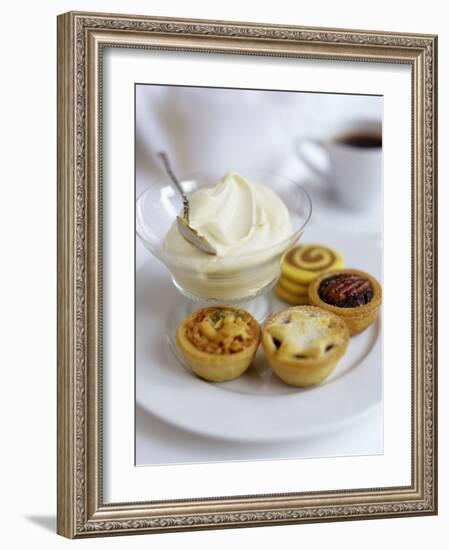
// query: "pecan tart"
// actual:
[[352, 294], [304, 344], [218, 343]]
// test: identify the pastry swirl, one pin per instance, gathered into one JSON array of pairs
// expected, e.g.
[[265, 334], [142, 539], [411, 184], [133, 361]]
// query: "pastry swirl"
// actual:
[[305, 262], [312, 258], [284, 294]]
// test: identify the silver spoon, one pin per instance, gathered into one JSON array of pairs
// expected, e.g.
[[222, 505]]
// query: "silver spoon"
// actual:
[[189, 233]]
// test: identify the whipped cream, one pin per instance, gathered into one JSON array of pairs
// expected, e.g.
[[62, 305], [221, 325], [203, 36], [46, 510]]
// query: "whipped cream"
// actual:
[[239, 217], [244, 222]]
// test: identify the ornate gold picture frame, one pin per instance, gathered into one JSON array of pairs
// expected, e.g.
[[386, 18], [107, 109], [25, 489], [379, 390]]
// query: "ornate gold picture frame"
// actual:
[[82, 38]]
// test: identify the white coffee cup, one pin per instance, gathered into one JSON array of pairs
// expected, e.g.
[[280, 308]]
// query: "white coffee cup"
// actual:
[[353, 170]]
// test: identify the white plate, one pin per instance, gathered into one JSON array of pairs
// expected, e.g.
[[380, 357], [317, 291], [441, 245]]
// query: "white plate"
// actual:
[[257, 407]]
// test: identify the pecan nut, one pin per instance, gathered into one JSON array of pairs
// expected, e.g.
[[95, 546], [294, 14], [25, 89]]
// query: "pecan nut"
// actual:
[[346, 290]]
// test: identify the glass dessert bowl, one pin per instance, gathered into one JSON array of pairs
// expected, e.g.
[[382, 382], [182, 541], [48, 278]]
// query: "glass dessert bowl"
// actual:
[[242, 272]]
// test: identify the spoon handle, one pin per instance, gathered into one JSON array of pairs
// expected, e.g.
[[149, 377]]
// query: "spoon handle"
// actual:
[[185, 200]]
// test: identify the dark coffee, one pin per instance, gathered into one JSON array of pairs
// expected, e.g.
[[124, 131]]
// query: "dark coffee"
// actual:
[[363, 141]]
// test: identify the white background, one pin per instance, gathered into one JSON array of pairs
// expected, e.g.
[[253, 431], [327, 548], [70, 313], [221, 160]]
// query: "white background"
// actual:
[[123, 482], [27, 217]]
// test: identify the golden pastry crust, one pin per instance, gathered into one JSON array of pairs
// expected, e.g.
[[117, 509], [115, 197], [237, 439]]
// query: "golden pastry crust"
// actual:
[[303, 344], [305, 262], [289, 297], [293, 288], [218, 343], [357, 318]]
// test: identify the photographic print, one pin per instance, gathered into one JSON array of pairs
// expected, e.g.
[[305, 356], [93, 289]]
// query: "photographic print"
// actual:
[[258, 274], [246, 274]]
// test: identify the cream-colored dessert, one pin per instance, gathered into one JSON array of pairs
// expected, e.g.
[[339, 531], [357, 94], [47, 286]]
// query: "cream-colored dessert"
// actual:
[[247, 224], [304, 344]]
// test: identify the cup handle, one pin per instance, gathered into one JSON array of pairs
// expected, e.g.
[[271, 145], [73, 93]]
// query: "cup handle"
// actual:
[[303, 147]]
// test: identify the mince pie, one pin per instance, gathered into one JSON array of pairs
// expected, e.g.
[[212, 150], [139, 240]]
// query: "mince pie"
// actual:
[[304, 344]]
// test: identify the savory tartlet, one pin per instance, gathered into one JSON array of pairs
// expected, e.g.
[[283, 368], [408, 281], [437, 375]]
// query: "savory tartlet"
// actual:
[[304, 344], [354, 295], [218, 343]]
